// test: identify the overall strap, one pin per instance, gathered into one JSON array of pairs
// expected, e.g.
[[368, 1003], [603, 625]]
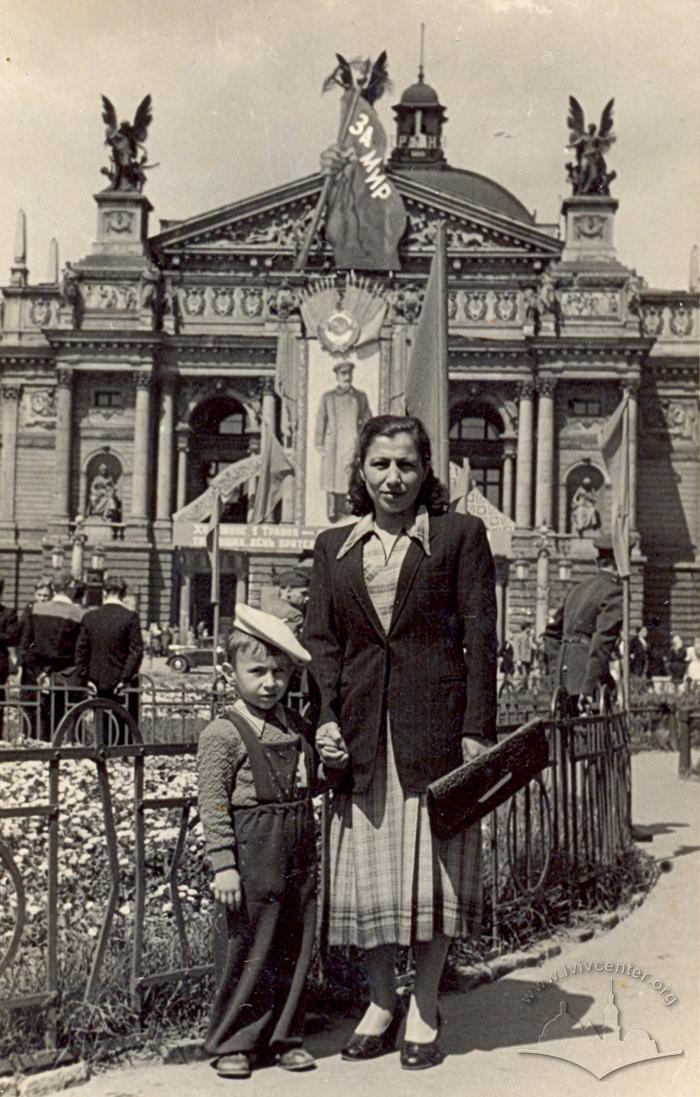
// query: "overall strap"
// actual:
[[265, 790]]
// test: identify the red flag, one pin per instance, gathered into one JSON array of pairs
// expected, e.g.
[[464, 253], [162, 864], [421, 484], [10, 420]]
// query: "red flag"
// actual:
[[614, 447], [427, 378], [275, 466], [366, 216]]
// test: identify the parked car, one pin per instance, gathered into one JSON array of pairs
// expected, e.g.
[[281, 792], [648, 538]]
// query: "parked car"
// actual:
[[183, 657]]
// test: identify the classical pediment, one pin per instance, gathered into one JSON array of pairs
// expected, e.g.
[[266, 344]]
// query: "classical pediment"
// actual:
[[275, 222]]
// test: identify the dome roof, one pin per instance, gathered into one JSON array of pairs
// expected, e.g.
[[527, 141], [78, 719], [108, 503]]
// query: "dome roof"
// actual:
[[469, 185], [420, 94]]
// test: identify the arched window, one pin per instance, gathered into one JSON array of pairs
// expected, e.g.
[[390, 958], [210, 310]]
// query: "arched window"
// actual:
[[219, 438], [476, 431]]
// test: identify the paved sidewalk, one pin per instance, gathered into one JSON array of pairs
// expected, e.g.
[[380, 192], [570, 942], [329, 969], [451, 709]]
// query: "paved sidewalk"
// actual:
[[485, 1028]]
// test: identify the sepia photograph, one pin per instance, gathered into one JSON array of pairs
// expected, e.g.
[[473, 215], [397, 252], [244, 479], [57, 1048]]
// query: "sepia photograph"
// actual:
[[349, 547]]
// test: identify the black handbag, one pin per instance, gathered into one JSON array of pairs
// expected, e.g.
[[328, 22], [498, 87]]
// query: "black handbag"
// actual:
[[467, 793]]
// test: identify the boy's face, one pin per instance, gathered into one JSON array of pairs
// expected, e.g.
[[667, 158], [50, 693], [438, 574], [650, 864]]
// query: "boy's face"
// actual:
[[262, 680]]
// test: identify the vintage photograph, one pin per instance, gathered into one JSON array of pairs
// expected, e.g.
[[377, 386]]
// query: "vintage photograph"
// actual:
[[349, 531]]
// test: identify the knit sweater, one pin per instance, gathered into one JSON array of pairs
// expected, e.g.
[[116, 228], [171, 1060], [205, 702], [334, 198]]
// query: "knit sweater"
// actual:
[[225, 779]]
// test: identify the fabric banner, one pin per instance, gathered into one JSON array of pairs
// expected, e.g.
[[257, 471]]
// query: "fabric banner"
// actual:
[[274, 466], [223, 484], [614, 447], [366, 217], [427, 374]]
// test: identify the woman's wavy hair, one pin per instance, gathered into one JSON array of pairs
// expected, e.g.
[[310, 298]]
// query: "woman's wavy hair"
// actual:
[[433, 494]]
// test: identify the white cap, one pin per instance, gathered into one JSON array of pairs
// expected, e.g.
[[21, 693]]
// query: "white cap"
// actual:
[[271, 630]]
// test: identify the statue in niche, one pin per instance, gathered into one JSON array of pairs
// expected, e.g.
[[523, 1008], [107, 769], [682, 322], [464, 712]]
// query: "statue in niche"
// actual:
[[589, 174], [103, 501], [584, 514], [127, 170]]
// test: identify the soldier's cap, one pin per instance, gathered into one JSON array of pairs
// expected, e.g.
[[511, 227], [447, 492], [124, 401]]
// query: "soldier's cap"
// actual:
[[604, 544], [292, 577], [271, 630], [343, 365]]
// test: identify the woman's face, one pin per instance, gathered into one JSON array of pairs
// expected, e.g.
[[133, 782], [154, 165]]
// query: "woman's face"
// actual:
[[393, 473]]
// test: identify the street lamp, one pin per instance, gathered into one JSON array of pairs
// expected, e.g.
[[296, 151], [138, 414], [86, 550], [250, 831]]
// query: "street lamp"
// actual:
[[97, 560], [565, 565], [58, 558], [522, 569]]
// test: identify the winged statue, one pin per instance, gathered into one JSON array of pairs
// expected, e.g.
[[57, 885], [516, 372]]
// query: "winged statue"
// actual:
[[127, 170], [360, 72], [589, 174]]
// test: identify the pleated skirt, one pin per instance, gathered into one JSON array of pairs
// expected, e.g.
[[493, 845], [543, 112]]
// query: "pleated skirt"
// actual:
[[391, 881]]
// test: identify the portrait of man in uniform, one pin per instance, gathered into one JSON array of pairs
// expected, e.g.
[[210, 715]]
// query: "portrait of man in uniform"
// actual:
[[342, 412]]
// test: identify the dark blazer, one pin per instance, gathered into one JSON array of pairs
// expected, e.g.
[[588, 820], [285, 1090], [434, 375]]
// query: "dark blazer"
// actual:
[[435, 691], [49, 636], [9, 635], [586, 628], [110, 646]]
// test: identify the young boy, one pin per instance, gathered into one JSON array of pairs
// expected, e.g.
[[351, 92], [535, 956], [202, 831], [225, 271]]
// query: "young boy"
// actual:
[[256, 767]]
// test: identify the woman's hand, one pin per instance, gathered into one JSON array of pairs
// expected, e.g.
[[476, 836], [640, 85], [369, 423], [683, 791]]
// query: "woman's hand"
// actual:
[[227, 887], [472, 748], [331, 746]]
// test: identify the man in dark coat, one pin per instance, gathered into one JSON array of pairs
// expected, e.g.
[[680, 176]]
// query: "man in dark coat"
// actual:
[[47, 648], [586, 628], [9, 629], [110, 645]]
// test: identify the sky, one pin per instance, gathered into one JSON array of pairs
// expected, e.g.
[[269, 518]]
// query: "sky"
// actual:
[[237, 104]]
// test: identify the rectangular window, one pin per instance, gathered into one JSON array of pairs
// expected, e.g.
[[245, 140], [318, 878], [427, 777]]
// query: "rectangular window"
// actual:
[[109, 398], [585, 408]]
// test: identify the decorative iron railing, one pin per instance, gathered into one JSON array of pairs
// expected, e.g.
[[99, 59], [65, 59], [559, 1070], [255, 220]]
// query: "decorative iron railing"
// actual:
[[569, 822]]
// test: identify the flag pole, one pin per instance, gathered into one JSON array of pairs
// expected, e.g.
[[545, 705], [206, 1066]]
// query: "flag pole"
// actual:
[[300, 261], [215, 591], [626, 585]]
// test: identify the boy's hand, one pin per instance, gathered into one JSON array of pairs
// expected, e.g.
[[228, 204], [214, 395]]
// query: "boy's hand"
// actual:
[[227, 887], [331, 746]]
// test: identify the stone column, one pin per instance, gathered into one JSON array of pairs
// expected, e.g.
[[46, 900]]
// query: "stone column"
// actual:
[[164, 493], [542, 595], [508, 460], [183, 448], [10, 395], [269, 404], [142, 422], [185, 598], [62, 452], [523, 505], [545, 452], [632, 389]]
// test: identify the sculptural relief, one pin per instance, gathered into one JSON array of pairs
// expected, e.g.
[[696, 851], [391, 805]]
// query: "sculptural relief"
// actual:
[[591, 303], [223, 302], [653, 320], [252, 303], [193, 303], [39, 408], [475, 306], [589, 227], [40, 312], [681, 321], [506, 307]]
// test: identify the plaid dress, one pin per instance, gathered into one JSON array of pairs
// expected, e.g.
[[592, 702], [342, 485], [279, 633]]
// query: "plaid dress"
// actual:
[[391, 881]]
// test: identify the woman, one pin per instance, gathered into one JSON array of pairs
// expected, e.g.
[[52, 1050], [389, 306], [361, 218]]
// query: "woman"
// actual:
[[397, 603]]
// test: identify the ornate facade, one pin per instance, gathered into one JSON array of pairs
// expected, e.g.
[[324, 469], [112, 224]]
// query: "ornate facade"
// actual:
[[153, 363]]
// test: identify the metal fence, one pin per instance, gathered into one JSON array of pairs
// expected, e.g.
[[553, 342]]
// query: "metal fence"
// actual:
[[568, 823]]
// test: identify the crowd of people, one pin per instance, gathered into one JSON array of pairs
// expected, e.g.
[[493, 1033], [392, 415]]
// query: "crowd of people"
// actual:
[[63, 650]]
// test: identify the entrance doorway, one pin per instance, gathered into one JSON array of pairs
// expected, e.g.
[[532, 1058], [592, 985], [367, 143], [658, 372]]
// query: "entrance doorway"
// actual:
[[219, 437]]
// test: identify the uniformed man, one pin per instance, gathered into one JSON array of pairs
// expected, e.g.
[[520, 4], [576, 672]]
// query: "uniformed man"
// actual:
[[342, 413], [585, 630]]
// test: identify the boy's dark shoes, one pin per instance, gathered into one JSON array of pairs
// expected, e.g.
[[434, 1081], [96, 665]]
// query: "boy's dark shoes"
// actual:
[[296, 1058], [236, 1065]]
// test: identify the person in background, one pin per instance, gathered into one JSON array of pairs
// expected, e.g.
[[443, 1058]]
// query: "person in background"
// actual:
[[289, 603], [166, 637], [638, 652], [522, 650], [694, 661], [256, 771], [9, 634], [47, 649], [657, 650], [505, 654], [677, 660], [109, 649], [585, 630], [156, 639]]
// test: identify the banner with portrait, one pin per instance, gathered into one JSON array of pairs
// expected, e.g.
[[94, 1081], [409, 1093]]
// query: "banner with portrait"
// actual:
[[342, 393]]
